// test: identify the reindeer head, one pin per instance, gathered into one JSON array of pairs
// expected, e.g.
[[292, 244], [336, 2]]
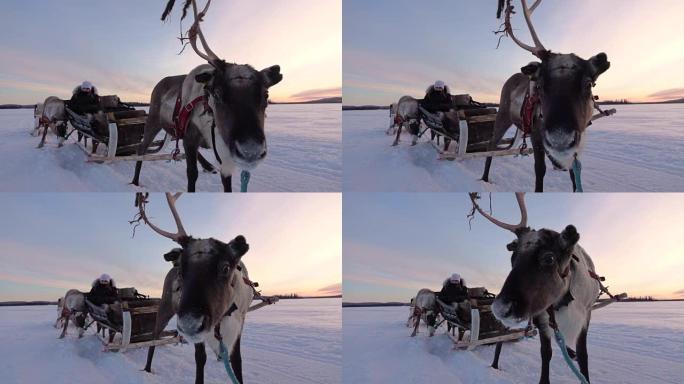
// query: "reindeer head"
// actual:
[[540, 264], [208, 272], [238, 97], [563, 83]]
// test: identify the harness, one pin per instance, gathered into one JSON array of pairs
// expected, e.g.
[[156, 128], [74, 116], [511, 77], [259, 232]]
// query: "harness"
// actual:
[[558, 335], [527, 111], [224, 355], [181, 119]]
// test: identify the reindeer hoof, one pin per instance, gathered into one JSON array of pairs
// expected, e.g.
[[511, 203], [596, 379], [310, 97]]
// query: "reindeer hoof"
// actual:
[[395, 144]]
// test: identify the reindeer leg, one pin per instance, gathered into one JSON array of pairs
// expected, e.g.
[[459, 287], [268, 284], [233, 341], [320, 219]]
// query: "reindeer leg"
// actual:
[[501, 125], [200, 360], [164, 314], [236, 360], [497, 352], [151, 132], [206, 165], [415, 327], [546, 352], [66, 324], [539, 163], [191, 164], [42, 140], [582, 355], [396, 140]]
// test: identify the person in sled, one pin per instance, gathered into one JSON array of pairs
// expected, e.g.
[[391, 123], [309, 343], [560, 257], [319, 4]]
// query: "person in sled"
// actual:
[[85, 99], [105, 295], [453, 290], [437, 98]]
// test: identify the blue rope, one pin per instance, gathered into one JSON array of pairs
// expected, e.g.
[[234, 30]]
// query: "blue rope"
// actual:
[[561, 344], [577, 169], [223, 354], [244, 180]]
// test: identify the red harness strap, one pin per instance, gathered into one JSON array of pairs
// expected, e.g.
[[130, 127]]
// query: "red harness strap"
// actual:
[[181, 117], [527, 112], [398, 120]]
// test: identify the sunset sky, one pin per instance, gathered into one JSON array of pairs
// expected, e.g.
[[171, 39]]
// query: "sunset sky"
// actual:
[[49, 47], [397, 47], [395, 244], [54, 242]]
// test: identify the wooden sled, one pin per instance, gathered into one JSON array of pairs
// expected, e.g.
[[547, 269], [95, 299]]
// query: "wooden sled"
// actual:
[[483, 327], [125, 128], [475, 128], [136, 325]]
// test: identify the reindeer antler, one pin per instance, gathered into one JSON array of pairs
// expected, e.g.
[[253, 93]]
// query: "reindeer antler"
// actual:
[[196, 31], [141, 201], [538, 49], [520, 197]]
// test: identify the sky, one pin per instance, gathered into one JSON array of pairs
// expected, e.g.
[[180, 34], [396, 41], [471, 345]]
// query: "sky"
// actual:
[[54, 242], [123, 47], [394, 48], [395, 244]]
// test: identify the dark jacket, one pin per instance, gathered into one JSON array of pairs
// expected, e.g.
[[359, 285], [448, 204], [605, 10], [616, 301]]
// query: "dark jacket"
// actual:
[[103, 293], [85, 102], [453, 292], [437, 101]]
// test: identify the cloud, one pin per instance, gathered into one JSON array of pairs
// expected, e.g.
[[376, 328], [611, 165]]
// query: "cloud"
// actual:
[[315, 94], [332, 289], [679, 293], [668, 94]]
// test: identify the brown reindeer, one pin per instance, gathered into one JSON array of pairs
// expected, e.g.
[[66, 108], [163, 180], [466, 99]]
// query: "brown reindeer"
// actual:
[[551, 100], [208, 288]]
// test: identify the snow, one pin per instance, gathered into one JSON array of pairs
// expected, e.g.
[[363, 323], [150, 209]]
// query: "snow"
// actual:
[[293, 341], [638, 149], [627, 342], [304, 155]]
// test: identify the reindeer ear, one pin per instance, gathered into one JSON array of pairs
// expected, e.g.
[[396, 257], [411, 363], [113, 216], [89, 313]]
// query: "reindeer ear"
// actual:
[[272, 75], [237, 248], [569, 237], [204, 77], [531, 69], [173, 255], [598, 64], [512, 246]]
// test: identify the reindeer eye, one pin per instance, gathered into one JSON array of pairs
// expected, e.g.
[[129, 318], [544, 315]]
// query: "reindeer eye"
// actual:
[[548, 259], [225, 269]]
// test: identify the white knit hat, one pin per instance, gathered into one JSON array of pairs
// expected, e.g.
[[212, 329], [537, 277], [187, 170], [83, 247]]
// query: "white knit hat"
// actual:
[[86, 85], [105, 277], [455, 278], [439, 85]]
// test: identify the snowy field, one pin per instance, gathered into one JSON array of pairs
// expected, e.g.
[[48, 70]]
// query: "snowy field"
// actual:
[[629, 343], [638, 149], [304, 155], [293, 341]]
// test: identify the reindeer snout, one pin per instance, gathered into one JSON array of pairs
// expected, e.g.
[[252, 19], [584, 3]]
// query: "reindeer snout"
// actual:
[[561, 139], [191, 324], [505, 310], [250, 151]]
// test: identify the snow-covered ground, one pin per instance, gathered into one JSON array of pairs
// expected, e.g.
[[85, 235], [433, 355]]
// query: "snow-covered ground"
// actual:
[[304, 155], [627, 342], [638, 149], [294, 341]]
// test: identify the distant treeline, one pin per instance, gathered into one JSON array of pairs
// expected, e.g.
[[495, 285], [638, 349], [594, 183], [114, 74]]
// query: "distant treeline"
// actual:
[[25, 303], [296, 296], [327, 100], [372, 304]]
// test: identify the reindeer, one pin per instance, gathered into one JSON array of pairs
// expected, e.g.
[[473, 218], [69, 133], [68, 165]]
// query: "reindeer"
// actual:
[[424, 306], [552, 100], [392, 115], [225, 108], [53, 117], [552, 281], [208, 288], [73, 307], [407, 112]]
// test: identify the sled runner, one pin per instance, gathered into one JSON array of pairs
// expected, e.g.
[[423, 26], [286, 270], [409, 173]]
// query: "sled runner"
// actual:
[[472, 135], [475, 316], [136, 324], [123, 134]]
